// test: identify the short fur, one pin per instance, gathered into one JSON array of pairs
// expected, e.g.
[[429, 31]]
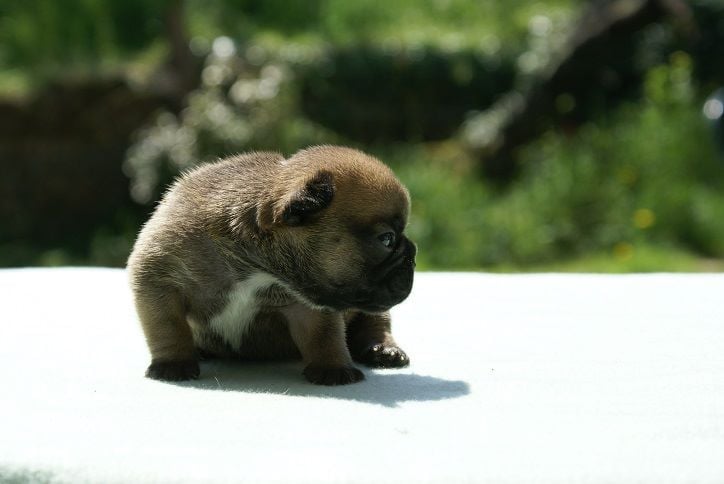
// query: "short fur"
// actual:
[[258, 256]]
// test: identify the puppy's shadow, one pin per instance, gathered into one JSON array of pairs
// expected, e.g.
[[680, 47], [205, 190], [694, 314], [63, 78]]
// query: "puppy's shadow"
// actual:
[[382, 387]]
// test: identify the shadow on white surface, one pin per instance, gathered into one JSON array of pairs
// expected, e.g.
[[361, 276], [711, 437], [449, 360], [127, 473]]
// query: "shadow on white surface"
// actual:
[[381, 387], [26, 476]]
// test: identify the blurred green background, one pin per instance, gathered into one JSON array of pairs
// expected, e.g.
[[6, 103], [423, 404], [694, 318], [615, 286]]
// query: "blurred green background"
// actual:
[[546, 135]]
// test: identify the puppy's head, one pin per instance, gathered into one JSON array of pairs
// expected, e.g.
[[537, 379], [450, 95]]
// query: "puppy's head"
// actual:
[[339, 217]]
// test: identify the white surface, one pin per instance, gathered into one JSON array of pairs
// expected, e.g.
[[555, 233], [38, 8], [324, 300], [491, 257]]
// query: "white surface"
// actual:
[[522, 378]]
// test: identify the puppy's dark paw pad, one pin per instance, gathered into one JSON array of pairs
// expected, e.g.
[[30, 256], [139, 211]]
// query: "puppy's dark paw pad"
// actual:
[[321, 375], [382, 356], [175, 370]]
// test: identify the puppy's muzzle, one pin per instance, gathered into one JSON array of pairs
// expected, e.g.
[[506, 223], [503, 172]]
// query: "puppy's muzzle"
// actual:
[[393, 280], [386, 285]]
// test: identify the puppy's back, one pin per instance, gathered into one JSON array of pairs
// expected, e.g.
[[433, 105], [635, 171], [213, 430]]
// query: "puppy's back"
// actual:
[[202, 202]]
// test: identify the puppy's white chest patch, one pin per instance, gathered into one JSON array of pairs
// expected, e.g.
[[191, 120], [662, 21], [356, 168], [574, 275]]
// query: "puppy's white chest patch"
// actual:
[[241, 307]]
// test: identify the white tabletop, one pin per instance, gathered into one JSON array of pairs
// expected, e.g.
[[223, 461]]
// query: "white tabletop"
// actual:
[[514, 378]]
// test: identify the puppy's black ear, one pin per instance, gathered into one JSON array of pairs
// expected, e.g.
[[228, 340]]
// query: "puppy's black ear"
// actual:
[[315, 196]]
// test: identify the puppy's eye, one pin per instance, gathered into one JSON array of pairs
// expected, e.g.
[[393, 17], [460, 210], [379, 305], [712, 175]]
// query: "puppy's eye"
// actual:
[[387, 239]]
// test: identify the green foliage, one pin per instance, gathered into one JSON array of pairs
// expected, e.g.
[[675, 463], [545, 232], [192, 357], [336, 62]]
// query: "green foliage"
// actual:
[[447, 24], [639, 188], [46, 34], [647, 176], [374, 94], [238, 108]]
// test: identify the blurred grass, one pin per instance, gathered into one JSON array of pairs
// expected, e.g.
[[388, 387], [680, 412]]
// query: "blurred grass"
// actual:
[[628, 259]]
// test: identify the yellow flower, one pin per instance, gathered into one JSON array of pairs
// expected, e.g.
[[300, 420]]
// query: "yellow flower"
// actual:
[[643, 218], [623, 251]]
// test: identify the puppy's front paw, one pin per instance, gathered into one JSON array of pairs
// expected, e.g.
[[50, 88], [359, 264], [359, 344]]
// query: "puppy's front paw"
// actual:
[[173, 370], [382, 356], [324, 375]]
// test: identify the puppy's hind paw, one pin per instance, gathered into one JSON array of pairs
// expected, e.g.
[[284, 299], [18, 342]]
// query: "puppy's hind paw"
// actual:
[[330, 376], [173, 370], [382, 356]]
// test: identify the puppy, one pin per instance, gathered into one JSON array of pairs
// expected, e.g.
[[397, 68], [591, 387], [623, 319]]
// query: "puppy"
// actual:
[[261, 257]]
